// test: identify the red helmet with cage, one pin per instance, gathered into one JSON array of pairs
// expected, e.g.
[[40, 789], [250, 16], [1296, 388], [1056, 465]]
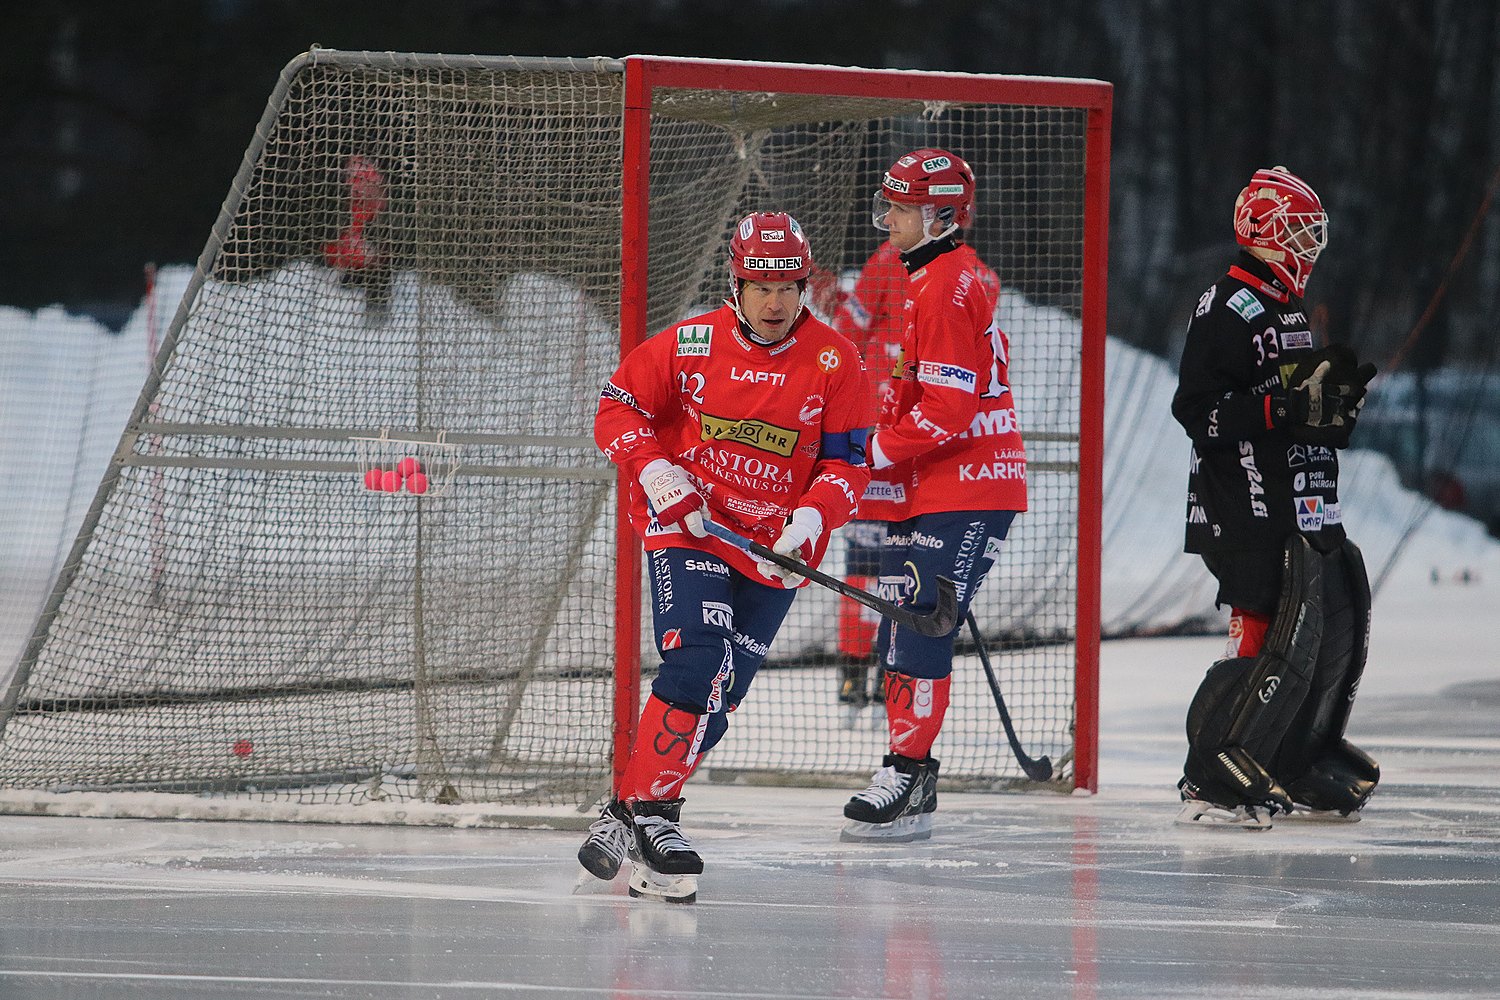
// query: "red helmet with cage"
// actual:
[[932, 178], [1280, 219], [768, 246]]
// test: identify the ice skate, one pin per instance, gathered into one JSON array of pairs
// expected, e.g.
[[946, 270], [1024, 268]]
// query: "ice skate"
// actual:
[[1307, 814], [898, 805], [1209, 815], [604, 849], [663, 864]]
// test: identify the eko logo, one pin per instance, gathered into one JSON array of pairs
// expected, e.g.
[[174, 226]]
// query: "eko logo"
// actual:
[[936, 163]]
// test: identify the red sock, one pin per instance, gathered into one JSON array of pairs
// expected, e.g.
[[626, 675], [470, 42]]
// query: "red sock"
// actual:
[[914, 708], [664, 754], [857, 624], [1247, 632]]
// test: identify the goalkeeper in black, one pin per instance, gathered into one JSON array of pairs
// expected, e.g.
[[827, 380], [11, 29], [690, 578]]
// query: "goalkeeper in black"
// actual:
[[1267, 411]]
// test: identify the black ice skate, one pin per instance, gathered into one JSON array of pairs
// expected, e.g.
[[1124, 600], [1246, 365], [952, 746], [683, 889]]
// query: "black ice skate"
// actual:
[[663, 864], [1208, 815], [608, 841], [898, 805]]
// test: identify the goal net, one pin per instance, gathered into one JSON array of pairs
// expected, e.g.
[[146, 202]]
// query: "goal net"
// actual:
[[356, 543]]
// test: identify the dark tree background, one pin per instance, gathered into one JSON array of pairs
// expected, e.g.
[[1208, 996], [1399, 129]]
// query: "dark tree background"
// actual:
[[124, 122]]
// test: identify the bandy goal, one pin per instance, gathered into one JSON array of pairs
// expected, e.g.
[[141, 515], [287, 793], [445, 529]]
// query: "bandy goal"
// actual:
[[356, 544]]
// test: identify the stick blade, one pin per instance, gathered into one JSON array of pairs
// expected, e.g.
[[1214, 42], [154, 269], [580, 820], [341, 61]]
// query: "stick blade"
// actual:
[[944, 618]]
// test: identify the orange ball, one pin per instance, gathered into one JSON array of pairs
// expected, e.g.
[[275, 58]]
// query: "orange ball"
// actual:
[[372, 479], [408, 466], [390, 481], [417, 482], [242, 748]]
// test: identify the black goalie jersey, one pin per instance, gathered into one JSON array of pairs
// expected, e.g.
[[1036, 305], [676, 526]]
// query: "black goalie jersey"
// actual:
[[1250, 484]]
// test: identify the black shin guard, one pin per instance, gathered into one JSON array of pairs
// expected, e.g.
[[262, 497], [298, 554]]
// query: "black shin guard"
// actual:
[[1317, 765], [1246, 705]]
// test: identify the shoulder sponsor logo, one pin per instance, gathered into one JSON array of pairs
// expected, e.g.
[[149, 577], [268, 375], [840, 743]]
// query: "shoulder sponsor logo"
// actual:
[[1333, 513], [947, 376], [829, 360], [694, 340], [1310, 514], [1245, 303], [756, 433]]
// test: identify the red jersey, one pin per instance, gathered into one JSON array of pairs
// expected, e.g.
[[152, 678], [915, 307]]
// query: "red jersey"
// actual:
[[874, 313], [948, 420], [762, 430]]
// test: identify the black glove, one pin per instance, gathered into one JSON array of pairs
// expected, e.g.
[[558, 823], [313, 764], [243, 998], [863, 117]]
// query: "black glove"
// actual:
[[1326, 391]]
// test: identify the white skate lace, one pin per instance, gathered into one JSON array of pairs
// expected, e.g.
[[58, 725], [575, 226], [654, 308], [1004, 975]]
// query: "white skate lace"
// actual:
[[886, 787], [664, 835], [608, 834]]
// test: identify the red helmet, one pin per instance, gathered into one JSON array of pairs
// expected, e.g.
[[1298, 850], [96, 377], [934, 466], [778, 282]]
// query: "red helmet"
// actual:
[[769, 246], [1281, 220], [932, 177]]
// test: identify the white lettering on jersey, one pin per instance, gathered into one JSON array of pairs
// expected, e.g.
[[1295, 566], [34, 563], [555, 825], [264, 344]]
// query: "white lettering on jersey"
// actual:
[[750, 375]]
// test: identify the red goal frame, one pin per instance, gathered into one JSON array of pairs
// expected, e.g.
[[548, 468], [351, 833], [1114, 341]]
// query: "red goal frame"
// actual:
[[643, 74]]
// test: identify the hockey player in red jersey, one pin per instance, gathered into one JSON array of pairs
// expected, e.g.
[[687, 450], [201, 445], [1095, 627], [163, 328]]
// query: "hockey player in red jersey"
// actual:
[[874, 317], [1266, 411], [755, 416], [948, 471]]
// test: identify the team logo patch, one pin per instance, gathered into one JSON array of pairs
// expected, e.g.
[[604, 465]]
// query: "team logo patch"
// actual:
[[671, 639], [811, 410], [693, 341], [756, 433], [1245, 303], [1310, 513], [829, 360]]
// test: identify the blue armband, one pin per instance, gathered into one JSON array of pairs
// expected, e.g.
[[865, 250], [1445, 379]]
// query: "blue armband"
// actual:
[[846, 446]]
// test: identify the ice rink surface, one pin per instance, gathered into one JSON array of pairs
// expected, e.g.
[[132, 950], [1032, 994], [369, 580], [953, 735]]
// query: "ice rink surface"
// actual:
[[1036, 895]]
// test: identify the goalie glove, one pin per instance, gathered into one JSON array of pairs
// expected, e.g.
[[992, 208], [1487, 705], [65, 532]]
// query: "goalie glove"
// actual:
[[799, 539], [673, 497], [1327, 391]]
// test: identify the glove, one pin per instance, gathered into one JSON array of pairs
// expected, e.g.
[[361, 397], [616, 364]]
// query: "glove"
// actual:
[[799, 539], [1327, 392], [673, 497]]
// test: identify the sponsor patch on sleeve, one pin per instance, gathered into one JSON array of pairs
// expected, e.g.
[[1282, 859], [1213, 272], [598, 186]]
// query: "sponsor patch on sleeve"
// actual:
[[948, 376], [1245, 303], [694, 340]]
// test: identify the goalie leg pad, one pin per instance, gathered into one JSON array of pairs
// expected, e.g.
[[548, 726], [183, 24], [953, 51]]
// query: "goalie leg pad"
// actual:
[[1319, 728], [1245, 706], [1340, 781]]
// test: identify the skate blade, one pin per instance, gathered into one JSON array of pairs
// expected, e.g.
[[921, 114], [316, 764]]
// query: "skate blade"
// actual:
[[899, 831], [647, 884], [1207, 816], [1306, 814]]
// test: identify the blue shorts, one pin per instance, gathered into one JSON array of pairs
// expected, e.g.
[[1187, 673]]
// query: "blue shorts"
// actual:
[[961, 545], [714, 627]]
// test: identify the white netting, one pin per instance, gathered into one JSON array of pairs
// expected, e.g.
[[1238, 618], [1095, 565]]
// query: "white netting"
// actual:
[[422, 257]]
